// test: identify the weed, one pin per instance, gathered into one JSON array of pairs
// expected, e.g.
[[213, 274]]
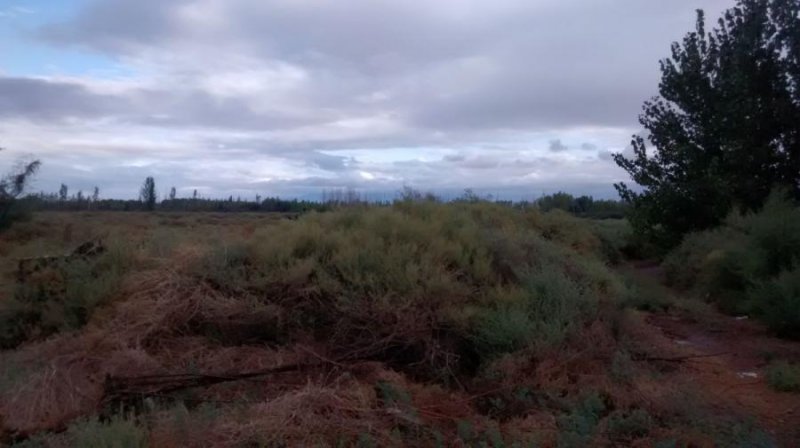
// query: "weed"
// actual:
[[118, 432], [748, 266], [784, 377], [577, 426], [628, 425], [62, 296]]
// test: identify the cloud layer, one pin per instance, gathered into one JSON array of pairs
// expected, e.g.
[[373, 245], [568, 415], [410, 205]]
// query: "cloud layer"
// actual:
[[293, 96]]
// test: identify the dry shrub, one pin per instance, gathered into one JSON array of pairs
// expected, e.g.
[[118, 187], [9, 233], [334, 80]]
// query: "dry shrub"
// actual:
[[68, 377], [407, 287], [308, 416], [427, 287]]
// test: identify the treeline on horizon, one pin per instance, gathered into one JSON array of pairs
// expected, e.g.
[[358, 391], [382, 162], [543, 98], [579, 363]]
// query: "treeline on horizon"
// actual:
[[583, 206]]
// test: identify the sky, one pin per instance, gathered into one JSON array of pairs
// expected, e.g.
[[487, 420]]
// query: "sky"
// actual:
[[514, 98]]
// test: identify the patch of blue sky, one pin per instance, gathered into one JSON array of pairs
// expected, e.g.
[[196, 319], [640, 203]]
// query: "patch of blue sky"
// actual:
[[22, 53]]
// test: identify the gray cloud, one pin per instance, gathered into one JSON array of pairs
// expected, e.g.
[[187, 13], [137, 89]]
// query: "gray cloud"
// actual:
[[44, 100], [557, 146], [456, 90], [605, 155]]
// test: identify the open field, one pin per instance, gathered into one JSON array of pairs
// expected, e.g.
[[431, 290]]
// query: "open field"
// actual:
[[417, 324]]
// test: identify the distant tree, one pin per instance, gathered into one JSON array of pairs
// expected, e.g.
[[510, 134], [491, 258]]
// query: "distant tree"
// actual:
[[194, 194], [726, 126], [96, 194], [148, 194], [560, 200], [79, 196], [172, 194], [12, 186], [63, 192]]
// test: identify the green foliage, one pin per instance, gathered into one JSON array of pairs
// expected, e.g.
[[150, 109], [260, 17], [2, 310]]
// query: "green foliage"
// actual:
[[784, 377], [645, 292], [777, 301], [541, 313], [628, 425], [62, 296], [583, 206], [148, 194], [750, 265], [441, 283], [118, 432], [578, 425], [742, 434], [11, 187], [725, 126]]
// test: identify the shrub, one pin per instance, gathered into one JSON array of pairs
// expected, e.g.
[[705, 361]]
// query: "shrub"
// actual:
[[777, 300], [784, 377], [119, 432], [62, 296], [577, 426], [433, 286], [750, 265], [626, 425]]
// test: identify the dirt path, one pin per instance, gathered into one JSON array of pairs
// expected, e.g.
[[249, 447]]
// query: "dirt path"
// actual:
[[726, 358]]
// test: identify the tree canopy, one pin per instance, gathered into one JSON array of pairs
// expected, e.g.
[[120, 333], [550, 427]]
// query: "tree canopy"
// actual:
[[725, 128]]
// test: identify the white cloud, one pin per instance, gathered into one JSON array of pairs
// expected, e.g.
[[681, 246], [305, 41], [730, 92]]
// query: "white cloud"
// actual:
[[297, 95]]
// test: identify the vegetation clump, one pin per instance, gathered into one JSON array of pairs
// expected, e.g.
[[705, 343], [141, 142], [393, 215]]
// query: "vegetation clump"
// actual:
[[750, 265], [784, 377], [436, 286], [716, 88]]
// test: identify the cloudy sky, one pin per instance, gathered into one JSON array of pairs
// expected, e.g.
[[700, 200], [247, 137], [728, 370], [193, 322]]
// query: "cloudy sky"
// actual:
[[290, 97]]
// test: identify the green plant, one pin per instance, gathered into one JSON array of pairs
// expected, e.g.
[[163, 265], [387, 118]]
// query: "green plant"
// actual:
[[578, 424], [118, 432], [62, 295], [627, 425], [715, 86], [441, 285], [784, 377], [749, 266]]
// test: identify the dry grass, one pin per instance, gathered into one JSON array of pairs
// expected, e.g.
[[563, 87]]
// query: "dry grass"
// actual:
[[387, 309]]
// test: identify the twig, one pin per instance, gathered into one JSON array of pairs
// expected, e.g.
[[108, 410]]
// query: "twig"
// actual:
[[680, 358], [160, 384]]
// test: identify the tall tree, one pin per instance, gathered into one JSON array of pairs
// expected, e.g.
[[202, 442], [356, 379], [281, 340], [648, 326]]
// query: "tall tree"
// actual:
[[148, 194], [63, 192], [172, 194], [96, 194], [726, 126]]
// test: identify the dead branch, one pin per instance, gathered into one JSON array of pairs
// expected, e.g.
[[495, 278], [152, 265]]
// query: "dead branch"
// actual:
[[679, 358], [119, 388]]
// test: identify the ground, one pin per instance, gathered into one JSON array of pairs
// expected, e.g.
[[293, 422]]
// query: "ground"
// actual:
[[724, 358]]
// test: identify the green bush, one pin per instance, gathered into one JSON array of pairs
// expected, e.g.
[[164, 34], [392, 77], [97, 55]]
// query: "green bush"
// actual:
[[748, 266], [577, 426], [626, 425], [439, 283], [119, 432], [777, 301], [784, 377], [62, 296]]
